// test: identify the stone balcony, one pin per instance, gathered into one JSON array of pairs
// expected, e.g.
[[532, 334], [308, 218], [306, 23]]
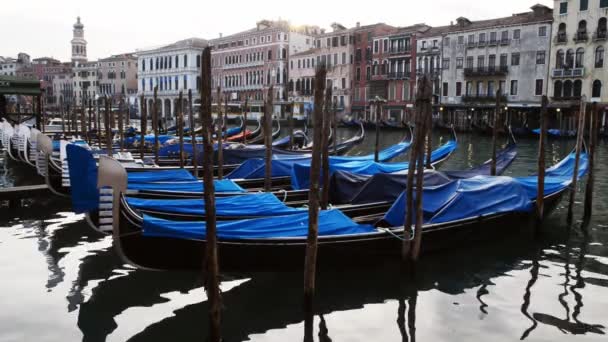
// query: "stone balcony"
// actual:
[[488, 71], [572, 72]]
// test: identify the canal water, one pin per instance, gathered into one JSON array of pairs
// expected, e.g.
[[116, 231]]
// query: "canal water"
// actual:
[[60, 281]]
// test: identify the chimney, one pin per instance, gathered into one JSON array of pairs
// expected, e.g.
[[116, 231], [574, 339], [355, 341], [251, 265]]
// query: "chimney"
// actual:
[[358, 24]]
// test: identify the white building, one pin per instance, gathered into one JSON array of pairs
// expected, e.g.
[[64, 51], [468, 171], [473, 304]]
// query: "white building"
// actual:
[[84, 73], [509, 54], [578, 66], [173, 69]]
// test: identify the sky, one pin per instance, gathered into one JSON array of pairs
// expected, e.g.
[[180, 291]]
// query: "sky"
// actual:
[[44, 27]]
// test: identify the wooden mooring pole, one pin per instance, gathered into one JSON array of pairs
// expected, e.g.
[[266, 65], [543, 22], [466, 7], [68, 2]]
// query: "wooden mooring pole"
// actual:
[[334, 125], [180, 128], [411, 244], [106, 120], [291, 139], [219, 134], [211, 256], [593, 134], [310, 261], [62, 113], [192, 133], [540, 191], [90, 123], [121, 127], [326, 129], [580, 128], [495, 133], [268, 109], [378, 122], [143, 126], [98, 123], [155, 123], [244, 132]]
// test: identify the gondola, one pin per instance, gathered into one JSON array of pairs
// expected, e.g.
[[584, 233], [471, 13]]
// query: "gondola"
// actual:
[[556, 133], [86, 194], [280, 242]]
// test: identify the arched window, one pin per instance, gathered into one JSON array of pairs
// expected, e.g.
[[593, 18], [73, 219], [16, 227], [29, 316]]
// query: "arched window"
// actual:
[[597, 89], [185, 61], [599, 57], [290, 85], [582, 26], [568, 89], [375, 68], [561, 33], [578, 87], [298, 85], [559, 59], [580, 54], [284, 53], [569, 59], [557, 89], [601, 28]]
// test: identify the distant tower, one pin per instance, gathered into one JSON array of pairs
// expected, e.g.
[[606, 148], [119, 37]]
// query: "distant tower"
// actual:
[[79, 45]]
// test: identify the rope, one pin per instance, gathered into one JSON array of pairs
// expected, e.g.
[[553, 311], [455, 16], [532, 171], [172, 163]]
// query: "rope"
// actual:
[[390, 232], [284, 194]]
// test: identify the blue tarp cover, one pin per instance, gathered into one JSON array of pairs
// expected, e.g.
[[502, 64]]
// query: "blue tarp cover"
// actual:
[[262, 204], [556, 132], [83, 179], [385, 155], [332, 222], [225, 185], [300, 176], [465, 198]]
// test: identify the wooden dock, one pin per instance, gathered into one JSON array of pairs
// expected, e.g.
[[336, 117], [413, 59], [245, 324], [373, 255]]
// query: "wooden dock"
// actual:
[[15, 194]]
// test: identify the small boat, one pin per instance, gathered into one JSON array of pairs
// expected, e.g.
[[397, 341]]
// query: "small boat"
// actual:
[[557, 133], [455, 211]]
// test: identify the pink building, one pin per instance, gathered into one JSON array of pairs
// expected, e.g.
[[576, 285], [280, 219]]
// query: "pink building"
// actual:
[[246, 64]]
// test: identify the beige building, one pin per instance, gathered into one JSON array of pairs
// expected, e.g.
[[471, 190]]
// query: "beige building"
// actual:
[[117, 76], [336, 51]]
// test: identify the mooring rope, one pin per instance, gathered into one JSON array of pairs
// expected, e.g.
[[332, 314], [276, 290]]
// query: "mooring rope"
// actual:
[[390, 232]]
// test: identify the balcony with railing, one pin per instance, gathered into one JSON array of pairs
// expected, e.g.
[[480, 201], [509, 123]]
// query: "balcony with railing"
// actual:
[[493, 42], [568, 72], [561, 38], [488, 71], [566, 98], [600, 35], [581, 36], [398, 75], [483, 98], [505, 41], [243, 65], [482, 43], [471, 44], [402, 50]]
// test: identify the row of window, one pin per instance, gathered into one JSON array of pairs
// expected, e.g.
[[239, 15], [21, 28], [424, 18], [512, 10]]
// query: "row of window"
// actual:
[[328, 60], [394, 45], [570, 59], [583, 6], [167, 62], [581, 31], [492, 38], [503, 61], [567, 89], [395, 93], [253, 57], [483, 88], [305, 84], [335, 41], [166, 83], [253, 41]]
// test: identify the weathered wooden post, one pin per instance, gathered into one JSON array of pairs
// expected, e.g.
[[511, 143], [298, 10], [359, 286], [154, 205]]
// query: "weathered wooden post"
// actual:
[[411, 244], [540, 191], [244, 132], [193, 134], [155, 123], [425, 96], [62, 114], [121, 130], [334, 124], [378, 122], [310, 262], [180, 128], [495, 134], [268, 108], [579, 144], [108, 128], [128, 112], [293, 107], [593, 133], [211, 255], [98, 122], [429, 141], [143, 126], [89, 122], [220, 135], [326, 129]]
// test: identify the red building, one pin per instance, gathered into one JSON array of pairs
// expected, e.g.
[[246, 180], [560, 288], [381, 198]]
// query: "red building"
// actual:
[[385, 67]]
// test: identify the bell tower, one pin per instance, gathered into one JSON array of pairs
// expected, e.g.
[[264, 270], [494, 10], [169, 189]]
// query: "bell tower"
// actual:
[[79, 44]]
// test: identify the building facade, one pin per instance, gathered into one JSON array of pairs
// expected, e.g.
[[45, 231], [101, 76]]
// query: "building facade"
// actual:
[[364, 87], [580, 39], [117, 76], [335, 50], [508, 54], [246, 64], [173, 68]]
